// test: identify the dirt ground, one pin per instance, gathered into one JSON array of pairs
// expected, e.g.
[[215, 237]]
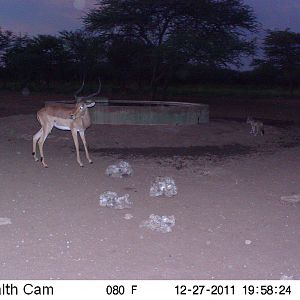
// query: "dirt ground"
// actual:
[[230, 220]]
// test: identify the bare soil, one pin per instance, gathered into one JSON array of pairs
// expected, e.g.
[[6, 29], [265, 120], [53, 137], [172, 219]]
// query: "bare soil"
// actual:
[[230, 220]]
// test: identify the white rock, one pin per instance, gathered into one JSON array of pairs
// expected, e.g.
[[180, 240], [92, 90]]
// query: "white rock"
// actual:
[[5, 221], [128, 216], [291, 198]]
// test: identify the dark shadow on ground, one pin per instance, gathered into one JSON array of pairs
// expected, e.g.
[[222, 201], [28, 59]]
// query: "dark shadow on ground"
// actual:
[[271, 122], [195, 151]]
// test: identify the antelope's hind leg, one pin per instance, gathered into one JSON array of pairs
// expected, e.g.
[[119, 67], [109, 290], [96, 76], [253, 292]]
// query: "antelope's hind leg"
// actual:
[[45, 132], [35, 139]]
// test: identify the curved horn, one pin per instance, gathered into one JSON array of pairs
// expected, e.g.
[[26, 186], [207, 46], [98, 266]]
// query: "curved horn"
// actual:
[[94, 94], [79, 90]]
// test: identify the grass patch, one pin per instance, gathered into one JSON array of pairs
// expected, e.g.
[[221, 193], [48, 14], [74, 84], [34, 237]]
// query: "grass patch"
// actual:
[[133, 91], [235, 91]]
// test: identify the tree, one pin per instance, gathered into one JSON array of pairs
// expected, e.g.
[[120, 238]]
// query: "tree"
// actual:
[[126, 60], [85, 49], [17, 59], [282, 55], [50, 59], [177, 32], [6, 38], [41, 58]]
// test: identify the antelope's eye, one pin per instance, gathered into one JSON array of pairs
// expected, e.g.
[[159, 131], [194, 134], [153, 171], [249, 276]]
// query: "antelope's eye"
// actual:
[[81, 107]]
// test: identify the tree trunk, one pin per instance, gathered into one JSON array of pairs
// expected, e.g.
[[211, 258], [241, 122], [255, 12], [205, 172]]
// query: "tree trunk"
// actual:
[[153, 83], [291, 87]]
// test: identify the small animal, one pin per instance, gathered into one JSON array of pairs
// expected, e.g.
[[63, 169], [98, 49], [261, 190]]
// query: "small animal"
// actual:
[[257, 127]]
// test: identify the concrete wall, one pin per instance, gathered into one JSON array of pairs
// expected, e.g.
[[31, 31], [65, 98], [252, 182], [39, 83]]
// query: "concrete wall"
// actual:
[[149, 113]]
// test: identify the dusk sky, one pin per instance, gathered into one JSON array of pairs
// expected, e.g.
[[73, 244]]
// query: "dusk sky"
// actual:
[[52, 16]]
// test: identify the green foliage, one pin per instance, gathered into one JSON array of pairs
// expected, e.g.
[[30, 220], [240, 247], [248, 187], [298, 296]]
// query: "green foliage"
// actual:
[[177, 32], [282, 56], [6, 39], [18, 58], [85, 50], [234, 93], [39, 58], [282, 49]]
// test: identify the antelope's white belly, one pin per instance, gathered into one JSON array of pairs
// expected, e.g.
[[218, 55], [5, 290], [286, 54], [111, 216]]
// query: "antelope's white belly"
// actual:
[[61, 124], [64, 124], [62, 127]]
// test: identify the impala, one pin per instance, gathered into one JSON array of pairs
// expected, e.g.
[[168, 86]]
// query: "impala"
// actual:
[[76, 119]]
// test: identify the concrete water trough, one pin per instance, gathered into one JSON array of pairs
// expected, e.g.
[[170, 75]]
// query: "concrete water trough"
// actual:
[[146, 112]]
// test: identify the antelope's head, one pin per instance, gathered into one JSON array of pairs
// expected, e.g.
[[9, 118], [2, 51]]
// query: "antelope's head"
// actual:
[[80, 109], [83, 102]]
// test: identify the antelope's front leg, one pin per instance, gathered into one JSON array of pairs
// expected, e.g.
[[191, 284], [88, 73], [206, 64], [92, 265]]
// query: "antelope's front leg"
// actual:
[[75, 138], [85, 146], [256, 131]]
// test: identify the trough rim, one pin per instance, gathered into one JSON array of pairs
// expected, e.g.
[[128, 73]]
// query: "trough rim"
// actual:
[[158, 103]]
